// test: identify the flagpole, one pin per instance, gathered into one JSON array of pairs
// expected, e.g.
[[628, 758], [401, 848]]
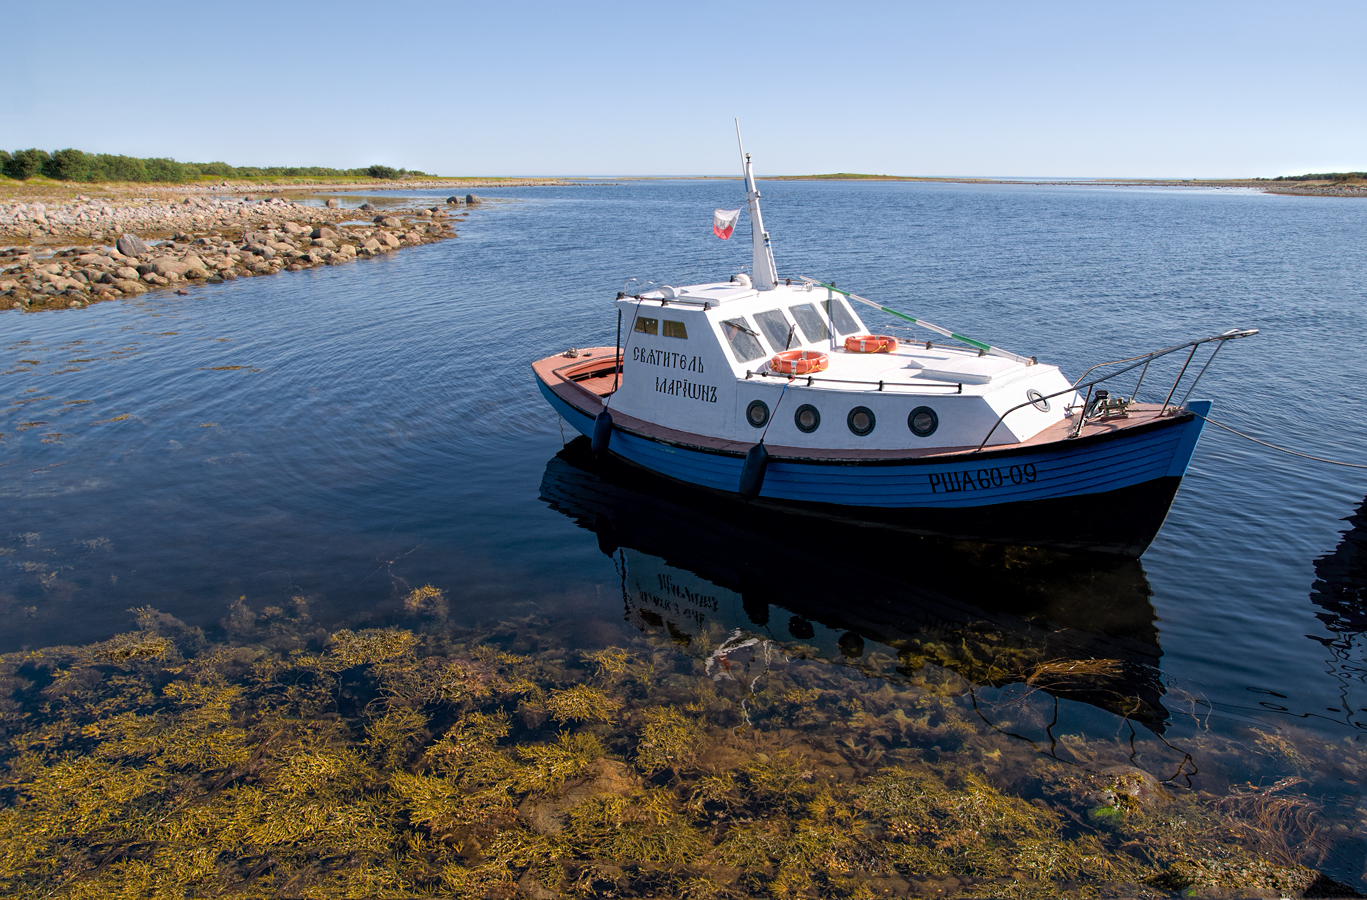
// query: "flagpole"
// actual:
[[977, 345]]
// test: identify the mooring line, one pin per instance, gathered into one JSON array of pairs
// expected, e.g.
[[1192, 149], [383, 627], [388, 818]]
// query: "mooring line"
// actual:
[[1332, 462]]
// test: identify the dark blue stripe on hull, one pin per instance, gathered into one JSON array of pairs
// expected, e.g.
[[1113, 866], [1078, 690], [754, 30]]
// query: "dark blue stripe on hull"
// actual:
[[1072, 469]]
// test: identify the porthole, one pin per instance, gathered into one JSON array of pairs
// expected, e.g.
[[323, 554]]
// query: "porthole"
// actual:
[[807, 418], [861, 420], [922, 421], [757, 413], [1037, 400]]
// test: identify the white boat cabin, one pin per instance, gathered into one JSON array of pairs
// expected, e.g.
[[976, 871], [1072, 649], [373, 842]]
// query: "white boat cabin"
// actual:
[[698, 359]]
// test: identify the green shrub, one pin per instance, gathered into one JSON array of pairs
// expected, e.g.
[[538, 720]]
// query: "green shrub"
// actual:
[[26, 163], [384, 172]]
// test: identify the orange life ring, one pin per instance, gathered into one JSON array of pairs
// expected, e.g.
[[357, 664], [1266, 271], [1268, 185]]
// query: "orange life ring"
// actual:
[[871, 343], [799, 362]]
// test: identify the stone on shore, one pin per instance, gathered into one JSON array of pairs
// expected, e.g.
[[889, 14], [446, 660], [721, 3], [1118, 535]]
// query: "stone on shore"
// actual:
[[131, 245], [333, 203], [472, 200], [213, 239]]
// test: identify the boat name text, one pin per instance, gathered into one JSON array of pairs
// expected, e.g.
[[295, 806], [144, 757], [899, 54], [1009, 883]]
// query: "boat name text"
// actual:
[[981, 480], [679, 387], [666, 359]]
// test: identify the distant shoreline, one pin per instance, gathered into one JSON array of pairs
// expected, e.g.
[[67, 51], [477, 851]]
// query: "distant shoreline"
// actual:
[[1267, 186]]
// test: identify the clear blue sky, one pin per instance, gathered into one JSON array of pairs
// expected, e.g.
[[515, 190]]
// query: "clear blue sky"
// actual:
[[640, 88]]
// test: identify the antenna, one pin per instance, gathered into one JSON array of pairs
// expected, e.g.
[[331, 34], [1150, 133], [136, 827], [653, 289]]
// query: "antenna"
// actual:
[[765, 272]]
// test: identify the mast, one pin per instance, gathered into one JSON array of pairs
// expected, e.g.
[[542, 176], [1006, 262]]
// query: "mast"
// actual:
[[765, 273]]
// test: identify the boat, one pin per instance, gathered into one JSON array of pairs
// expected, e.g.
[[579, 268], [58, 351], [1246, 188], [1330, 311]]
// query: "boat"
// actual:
[[1078, 628], [775, 391]]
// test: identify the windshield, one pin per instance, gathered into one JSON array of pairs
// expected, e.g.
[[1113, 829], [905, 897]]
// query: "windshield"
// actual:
[[811, 322], [844, 322], [743, 339], [775, 328]]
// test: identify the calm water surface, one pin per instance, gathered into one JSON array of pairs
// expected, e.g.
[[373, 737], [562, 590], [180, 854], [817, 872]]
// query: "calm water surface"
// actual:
[[348, 433]]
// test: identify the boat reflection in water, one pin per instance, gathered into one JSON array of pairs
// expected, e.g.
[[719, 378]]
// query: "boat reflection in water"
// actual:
[[1340, 590], [1340, 587], [692, 563]]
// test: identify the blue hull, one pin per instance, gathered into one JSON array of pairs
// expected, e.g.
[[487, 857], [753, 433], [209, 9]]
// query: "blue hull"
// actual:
[[1106, 493]]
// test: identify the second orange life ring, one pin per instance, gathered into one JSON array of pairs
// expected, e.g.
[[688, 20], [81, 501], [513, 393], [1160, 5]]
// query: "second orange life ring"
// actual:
[[871, 343], [799, 362]]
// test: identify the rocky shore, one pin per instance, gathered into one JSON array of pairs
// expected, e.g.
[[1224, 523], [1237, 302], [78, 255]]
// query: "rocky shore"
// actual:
[[212, 238]]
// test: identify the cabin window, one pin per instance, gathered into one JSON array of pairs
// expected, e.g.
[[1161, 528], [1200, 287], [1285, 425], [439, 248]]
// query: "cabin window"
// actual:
[[647, 326], [775, 327], [811, 322], [675, 329], [922, 421], [861, 420], [844, 322], [743, 339]]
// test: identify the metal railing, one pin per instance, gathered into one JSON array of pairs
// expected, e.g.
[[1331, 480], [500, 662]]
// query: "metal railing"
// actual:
[[882, 385], [1088, 408]]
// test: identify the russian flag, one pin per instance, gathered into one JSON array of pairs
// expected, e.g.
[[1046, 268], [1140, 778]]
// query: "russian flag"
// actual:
[[724, 222]]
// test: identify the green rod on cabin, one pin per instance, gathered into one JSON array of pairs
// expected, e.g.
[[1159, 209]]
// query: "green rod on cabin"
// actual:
[[978, 345]]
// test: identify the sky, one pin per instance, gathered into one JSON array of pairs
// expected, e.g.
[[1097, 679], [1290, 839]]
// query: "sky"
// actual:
[[1009, 89]]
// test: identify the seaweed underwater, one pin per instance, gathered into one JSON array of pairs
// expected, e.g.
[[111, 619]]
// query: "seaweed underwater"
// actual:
[[431, 760]]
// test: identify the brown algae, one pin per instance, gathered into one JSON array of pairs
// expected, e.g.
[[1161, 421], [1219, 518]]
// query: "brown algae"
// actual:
[[436, 762]]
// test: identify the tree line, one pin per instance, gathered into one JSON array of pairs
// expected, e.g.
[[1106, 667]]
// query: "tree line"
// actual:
[[77, 165], [1323, 176]]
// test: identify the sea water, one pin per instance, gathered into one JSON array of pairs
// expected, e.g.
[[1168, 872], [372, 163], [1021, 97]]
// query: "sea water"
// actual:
[[347, 434]]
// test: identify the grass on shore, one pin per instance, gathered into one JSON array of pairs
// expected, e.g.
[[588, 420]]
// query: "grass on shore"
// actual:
[[52, 190]]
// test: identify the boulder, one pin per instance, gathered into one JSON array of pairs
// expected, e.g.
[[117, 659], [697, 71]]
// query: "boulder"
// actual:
[[387, 239], [387, 221], [131, 245], [413, 237], [323, 232], [366, 207], [126, 273], [370, 248], [454, 201], [129, 286], [472, 200], [333, 203], [346, 251], [168, 266]]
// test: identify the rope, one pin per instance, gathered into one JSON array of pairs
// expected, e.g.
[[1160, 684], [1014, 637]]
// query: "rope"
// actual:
[[1332, 462], [778, 403]]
